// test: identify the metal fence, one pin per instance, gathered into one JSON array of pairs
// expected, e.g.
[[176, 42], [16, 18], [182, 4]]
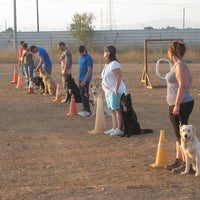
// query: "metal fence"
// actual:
[[123, 39]]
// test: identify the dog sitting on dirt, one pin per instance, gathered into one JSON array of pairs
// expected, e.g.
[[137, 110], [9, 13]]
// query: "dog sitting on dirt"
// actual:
[[95, 90], [71, 88], [131, 125], [191, 148], [49, 84]]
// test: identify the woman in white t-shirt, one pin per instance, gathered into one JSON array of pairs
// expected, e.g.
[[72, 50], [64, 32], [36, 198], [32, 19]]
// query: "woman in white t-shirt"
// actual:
[[113, 87]]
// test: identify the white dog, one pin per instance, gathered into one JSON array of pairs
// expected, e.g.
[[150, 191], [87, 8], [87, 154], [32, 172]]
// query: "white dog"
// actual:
[[191, 148], [95, 90]]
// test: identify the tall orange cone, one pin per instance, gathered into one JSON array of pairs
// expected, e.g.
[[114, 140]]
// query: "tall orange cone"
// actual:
[[162, 155], [72, 106], [58, 93], [100, 124], [19, 82], [30, 88], [15, 75]]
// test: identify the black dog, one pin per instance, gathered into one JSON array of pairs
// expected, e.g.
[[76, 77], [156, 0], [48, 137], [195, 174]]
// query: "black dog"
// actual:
[[72, 88], [131, 125]]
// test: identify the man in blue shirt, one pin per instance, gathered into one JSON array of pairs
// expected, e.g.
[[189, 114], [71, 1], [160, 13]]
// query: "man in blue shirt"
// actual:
[[44, 62], [85, 64]]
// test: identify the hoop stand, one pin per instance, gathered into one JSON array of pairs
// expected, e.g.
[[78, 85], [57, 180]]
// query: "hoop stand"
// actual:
[[145, 77], [146, 80]]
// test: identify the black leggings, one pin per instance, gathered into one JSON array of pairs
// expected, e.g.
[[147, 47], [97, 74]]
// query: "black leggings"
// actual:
[[182, 118]]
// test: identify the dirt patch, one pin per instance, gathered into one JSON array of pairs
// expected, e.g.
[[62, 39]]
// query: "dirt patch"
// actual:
[[47, 155]]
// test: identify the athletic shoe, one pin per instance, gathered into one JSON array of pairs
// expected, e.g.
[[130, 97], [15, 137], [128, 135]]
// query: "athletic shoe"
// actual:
[[117, 132], [64, 100], [176, 164], [112, 130], [179, 169], [84, 114]]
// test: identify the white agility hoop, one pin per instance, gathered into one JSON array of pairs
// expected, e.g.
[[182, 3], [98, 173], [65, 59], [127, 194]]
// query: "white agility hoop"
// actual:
[[157, 67]]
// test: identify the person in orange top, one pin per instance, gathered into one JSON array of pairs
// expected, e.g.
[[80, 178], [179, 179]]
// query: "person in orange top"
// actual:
[[20, 55]]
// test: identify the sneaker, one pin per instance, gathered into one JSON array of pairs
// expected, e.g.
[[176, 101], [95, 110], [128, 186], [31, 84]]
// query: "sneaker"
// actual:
[[179, 169], [81, 113], [117, 132], [64, 100], [84, 114], [112, 130], [176, 164]]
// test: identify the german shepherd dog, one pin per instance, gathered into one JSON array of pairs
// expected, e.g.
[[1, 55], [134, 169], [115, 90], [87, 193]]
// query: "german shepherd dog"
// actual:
[[72, 88], [131, 125], [49, 84]]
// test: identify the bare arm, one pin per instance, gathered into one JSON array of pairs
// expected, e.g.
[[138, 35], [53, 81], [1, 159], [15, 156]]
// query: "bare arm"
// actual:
[[67, 63], [89, 71], [118, 75], [39, 65], [183, 77], [23, 56]]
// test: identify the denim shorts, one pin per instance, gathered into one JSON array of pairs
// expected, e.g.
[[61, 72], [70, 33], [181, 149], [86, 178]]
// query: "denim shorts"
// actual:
[[113, 101]]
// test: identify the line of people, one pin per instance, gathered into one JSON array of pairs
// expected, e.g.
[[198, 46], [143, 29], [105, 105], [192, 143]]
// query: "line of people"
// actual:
[[179, 81], [27, 64]]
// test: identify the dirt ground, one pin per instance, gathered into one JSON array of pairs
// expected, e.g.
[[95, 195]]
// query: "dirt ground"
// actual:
[[46, 154]]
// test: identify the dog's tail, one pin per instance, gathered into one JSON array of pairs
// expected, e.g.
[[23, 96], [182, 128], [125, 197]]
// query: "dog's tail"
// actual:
[[146, 130]]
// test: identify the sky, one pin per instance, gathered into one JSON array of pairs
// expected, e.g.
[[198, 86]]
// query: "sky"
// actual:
[[56, 15]]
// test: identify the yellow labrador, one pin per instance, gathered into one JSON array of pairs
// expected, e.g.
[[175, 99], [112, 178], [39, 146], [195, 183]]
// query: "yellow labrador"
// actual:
[[191, 148]]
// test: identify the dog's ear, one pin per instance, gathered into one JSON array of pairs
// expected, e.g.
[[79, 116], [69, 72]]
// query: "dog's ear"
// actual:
[[128, 95], [123, 96], [194, 130]]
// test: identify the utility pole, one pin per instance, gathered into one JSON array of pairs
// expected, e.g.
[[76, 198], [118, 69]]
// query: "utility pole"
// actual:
[[15, 25], [38, 26], [183, 18]]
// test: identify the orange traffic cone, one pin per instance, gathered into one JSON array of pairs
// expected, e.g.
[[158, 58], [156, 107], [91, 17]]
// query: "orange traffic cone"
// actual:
[[19, 82], [58, 93], [15, 75], [30, 88], [100, 124], [162, 156], [72, 106]]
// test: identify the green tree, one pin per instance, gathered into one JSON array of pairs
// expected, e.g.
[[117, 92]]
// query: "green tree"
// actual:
[[82, 27]]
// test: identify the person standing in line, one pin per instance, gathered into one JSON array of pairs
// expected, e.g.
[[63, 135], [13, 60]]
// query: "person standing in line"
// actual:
[[85, 64], [66, 64], [44, 61], [179, 99], [20, 52], [113, 87], [28, 64]]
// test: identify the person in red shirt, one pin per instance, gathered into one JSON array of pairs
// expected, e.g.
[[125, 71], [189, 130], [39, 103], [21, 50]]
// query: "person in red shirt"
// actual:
[[20, 55]]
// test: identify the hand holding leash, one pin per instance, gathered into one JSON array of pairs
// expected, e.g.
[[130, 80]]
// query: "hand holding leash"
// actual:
[[82, 83]]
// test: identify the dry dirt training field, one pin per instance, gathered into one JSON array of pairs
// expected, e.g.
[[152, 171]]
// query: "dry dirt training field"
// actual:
[[47, 155]]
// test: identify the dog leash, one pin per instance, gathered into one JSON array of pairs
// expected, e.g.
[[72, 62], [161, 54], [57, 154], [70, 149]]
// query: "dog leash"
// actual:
[[180, 122], [107, 87]]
